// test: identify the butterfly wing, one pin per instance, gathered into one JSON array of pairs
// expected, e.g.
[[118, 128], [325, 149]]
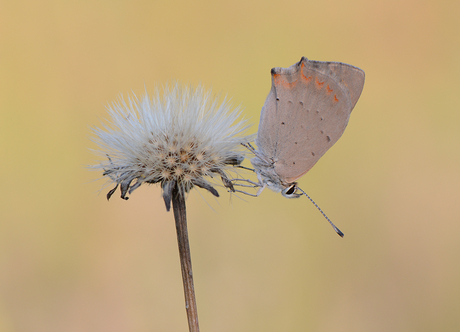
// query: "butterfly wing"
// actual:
[[305, 113]]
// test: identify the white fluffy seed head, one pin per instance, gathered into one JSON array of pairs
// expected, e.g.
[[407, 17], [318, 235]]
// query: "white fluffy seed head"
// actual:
[[182, 135]]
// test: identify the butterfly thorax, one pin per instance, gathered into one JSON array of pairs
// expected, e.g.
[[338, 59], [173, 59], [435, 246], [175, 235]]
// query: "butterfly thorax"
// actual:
[[265, 170]]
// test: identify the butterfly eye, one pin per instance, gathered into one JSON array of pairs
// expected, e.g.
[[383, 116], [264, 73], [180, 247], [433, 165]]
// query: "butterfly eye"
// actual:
[[290, 192]]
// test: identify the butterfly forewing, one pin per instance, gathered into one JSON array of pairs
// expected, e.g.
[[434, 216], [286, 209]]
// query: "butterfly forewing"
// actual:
[[306, 112]]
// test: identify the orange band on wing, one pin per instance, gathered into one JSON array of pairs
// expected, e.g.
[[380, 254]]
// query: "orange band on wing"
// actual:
[[304, 77], [278, 80], [319, 84]]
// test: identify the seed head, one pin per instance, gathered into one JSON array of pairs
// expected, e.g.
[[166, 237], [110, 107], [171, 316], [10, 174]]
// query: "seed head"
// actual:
[[177, 139]]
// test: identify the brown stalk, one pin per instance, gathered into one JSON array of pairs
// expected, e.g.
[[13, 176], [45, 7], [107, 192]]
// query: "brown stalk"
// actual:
[[178, 202]]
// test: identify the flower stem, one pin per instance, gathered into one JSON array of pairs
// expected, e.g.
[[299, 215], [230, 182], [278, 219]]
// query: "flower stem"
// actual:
[[178, 202]]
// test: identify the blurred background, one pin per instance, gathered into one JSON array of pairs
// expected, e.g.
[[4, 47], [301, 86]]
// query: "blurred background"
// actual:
[[71, 261]]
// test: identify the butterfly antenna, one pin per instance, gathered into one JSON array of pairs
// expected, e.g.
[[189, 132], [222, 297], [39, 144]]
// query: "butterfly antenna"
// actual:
[[338, 231]]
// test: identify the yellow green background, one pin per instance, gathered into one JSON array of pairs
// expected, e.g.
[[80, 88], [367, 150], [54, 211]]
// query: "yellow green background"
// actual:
[[71, 261]]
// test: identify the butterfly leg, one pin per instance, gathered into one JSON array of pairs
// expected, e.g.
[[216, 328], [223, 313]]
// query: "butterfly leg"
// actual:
[[248, 184]]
